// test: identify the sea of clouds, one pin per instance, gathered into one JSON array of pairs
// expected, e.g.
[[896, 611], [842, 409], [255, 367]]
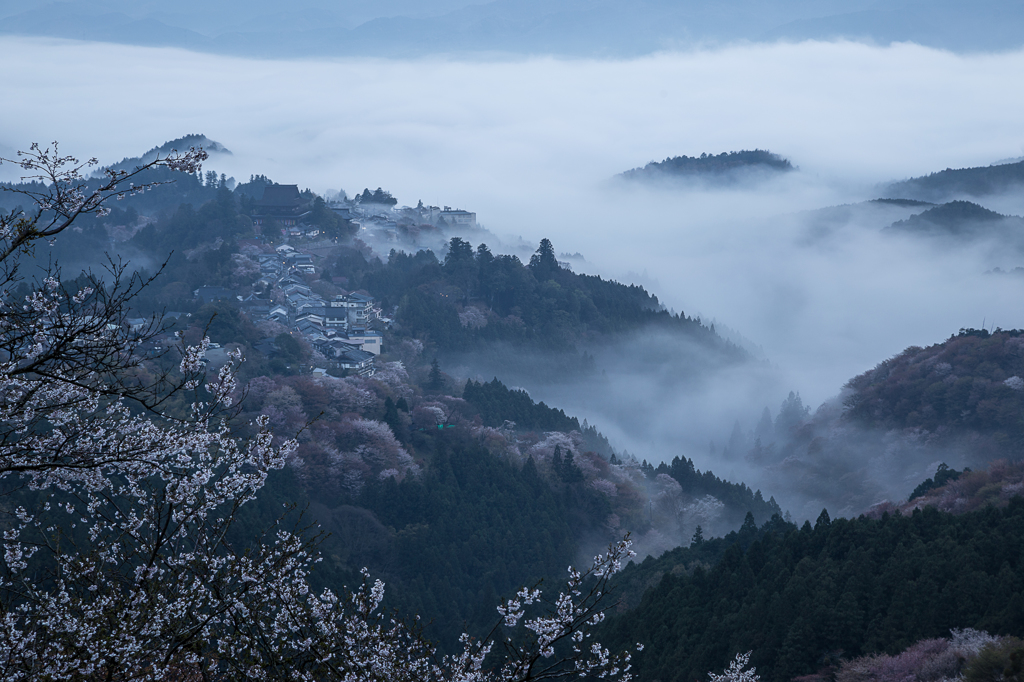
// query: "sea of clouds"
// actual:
[[530, 145]]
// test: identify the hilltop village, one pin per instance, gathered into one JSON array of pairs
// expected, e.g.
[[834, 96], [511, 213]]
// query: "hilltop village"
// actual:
[[285, 258]]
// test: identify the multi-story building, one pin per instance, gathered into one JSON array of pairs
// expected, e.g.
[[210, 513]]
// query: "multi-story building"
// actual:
[[281, 203], [456, 217]]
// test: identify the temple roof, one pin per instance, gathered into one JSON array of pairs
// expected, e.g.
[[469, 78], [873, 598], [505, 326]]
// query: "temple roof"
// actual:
[[281, 196]]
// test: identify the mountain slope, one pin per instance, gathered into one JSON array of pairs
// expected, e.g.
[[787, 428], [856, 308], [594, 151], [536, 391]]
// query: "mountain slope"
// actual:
[[960, 402], [968, 386], [726, 167], [964, 221], [961, 182], [801, 599]]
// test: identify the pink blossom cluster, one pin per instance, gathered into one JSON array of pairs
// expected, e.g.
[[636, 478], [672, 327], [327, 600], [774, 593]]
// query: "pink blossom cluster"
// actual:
[[929, 660]]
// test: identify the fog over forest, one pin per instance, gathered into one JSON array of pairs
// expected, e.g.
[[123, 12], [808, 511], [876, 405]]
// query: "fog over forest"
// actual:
[[531, 145]]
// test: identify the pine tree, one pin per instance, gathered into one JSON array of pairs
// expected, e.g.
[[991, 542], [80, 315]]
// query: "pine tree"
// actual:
[[391, 415], [698, 537], [543, 262], [435, 382]]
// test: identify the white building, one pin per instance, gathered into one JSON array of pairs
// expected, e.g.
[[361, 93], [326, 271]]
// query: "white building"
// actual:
[[359, 308], [458, 218], [369, 341]]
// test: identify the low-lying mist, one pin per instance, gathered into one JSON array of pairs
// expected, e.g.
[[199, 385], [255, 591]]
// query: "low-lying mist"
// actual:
[[531, 147]]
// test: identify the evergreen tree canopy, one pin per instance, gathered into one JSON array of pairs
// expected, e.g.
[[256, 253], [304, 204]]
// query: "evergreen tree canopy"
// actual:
[[853, 585]]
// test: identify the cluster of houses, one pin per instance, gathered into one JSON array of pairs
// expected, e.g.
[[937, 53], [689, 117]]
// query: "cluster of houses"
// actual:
[[288, 208], [343, 328], [340, 328], [389, 222]]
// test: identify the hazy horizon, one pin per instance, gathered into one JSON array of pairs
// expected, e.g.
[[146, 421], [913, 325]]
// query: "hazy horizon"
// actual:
[[489, 28]]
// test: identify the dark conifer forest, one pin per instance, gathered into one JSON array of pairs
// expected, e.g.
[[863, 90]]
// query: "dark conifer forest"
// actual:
[[720, 167], [802, 598]]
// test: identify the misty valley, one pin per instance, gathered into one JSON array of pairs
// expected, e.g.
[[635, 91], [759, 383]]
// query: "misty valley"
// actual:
[[230, 406]]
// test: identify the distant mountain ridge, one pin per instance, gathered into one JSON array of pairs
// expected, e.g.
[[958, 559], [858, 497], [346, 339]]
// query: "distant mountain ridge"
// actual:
[[958, 183], [561, 27], [711, 166], [969, 384], [181, 144], [961, 219]]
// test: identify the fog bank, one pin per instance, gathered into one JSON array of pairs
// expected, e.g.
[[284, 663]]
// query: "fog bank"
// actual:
[[530, 145]]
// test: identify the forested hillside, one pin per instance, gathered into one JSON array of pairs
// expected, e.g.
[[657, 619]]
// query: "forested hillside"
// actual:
[[474, 298], [801, 599], [724, 167], [969, 386], [957, 183], [453, 511], [958, 402], [963, 220], [965, 490]]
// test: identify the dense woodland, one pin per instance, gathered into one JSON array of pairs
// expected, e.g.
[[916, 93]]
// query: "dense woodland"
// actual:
[[801, 599], [955, 183], [474, 298], [451, 542], [497, 404], [968, 385], [450, 516], [963, 219]]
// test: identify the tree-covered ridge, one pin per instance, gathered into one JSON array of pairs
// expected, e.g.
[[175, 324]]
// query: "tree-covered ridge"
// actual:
[[943, 475], [801, 598], [700, 550], [468, 531], [959, 401], [181, 144], [954, 183], [963, 491], [710, 165], [738, 498], [377, 196], [475, 297], [972, 382], [499, 405], [961, 219]]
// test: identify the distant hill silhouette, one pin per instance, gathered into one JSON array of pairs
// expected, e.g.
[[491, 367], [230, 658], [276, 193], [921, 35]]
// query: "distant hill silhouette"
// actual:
[[967, 387], [961, 219], [957, 183], [181, 144], [726, 166], [901, 202], [592, 28]]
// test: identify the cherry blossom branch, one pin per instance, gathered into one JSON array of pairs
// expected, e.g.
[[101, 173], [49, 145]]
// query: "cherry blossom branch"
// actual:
[[68, 195]]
